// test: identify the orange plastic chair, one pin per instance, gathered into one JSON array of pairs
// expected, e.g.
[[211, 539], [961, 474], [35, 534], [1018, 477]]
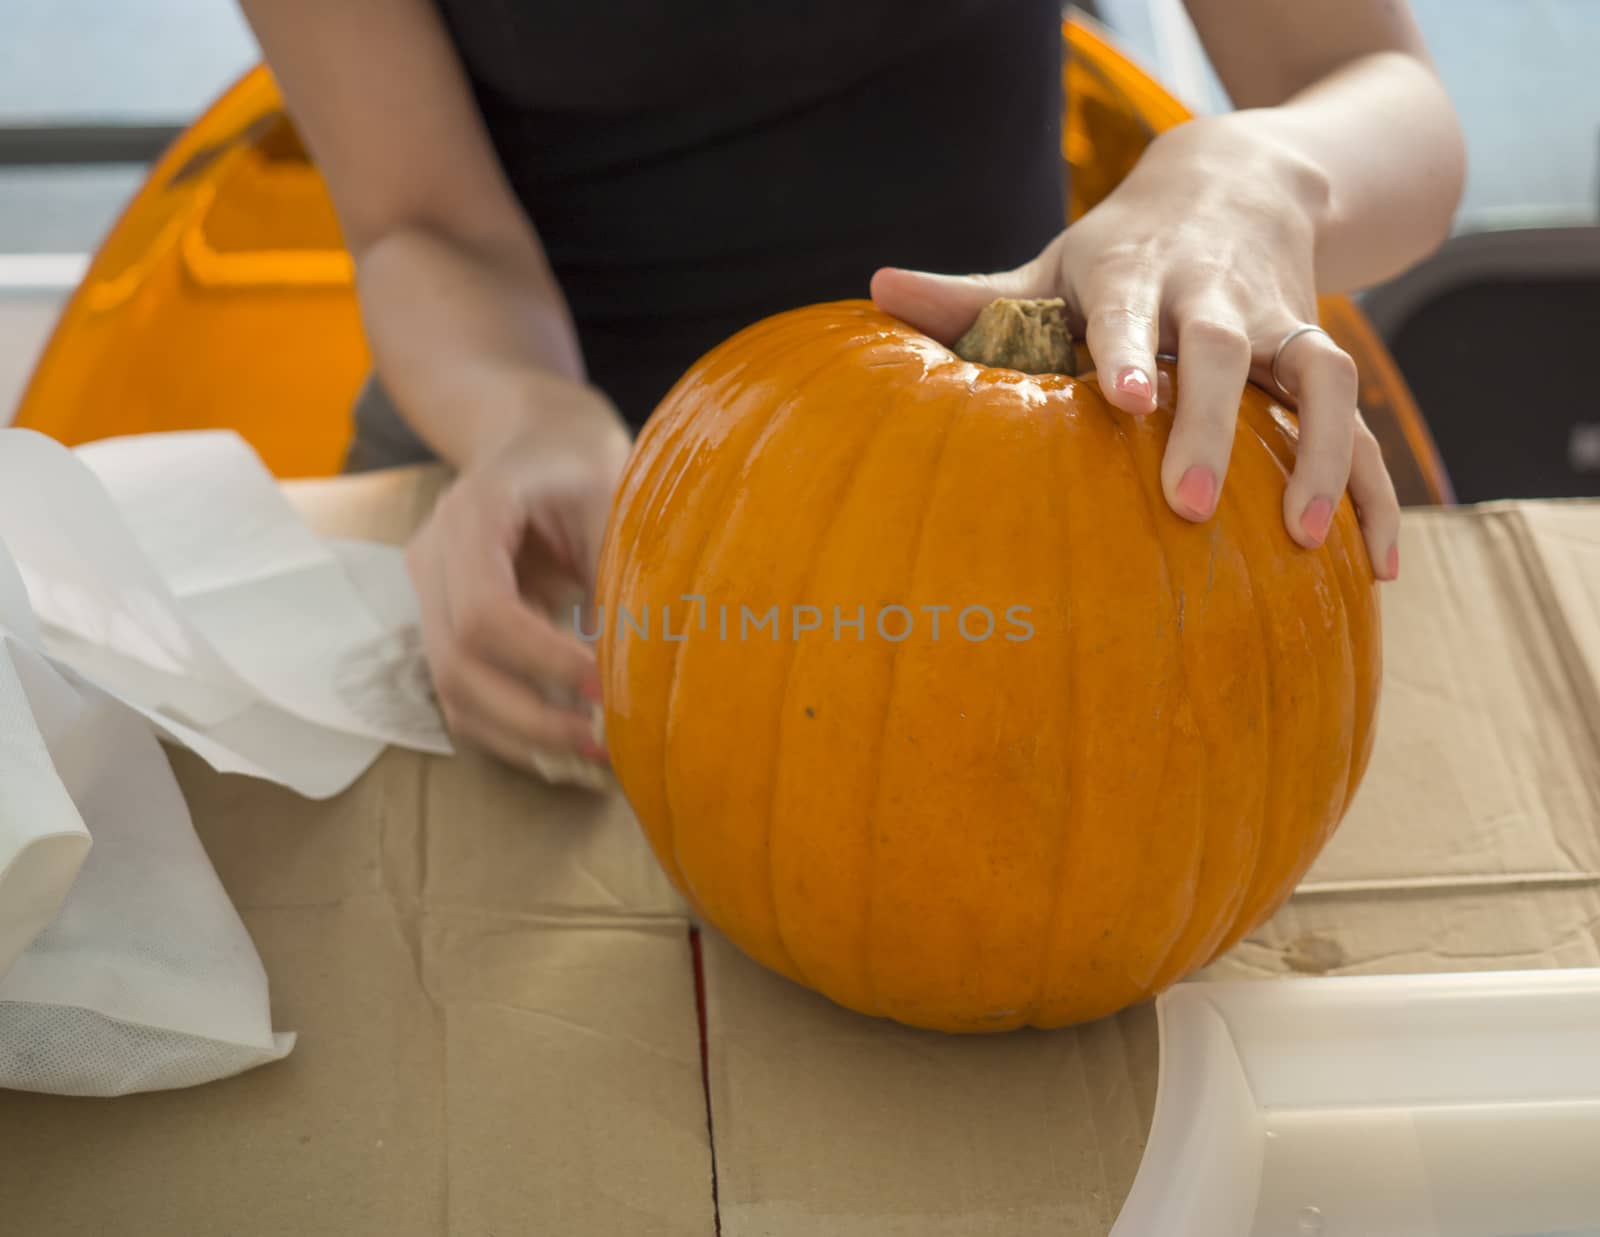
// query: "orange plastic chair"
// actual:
[[224, 296]]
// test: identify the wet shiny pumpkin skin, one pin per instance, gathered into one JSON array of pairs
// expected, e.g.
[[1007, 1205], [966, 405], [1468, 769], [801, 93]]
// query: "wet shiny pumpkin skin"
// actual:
[[963, 834]]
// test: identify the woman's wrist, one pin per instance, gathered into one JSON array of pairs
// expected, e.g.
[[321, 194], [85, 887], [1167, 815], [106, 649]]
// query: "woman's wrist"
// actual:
[[1371, 155], [527, 403], [474, 343], [1248, 155]]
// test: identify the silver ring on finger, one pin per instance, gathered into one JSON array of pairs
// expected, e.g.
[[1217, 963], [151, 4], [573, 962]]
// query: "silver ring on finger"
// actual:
[[1305, 328]]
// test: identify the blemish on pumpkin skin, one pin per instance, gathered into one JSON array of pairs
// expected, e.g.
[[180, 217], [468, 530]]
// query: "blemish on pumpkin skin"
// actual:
[[810, 712]]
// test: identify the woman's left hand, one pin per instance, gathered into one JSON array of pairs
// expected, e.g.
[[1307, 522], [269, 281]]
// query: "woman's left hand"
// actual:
[[1206, 250]]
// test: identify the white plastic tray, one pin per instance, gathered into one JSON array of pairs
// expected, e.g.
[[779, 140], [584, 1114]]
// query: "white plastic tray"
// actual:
[[1385, 1106]]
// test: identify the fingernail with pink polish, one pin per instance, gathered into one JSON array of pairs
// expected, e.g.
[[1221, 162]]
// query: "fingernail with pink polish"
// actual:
[[1197, 490], [591, 689], [1135, 382], [1391, 565], [1317, 519]]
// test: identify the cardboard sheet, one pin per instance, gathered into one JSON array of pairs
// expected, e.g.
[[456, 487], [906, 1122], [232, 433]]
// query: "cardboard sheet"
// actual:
[[495, 994], [1475, 840]]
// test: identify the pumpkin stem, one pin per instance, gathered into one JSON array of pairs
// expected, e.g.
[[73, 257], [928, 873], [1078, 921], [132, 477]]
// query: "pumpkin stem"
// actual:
[[1027, 335]]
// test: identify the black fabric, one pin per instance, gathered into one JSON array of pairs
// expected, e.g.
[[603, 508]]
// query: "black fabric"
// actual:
[[381, 437], [695, 165]]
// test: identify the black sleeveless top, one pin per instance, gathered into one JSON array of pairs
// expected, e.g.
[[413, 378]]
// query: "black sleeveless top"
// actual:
[[692, 166]]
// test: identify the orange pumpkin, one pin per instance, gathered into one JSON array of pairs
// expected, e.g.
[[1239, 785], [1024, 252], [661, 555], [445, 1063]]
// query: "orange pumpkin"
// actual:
[[926, 700]]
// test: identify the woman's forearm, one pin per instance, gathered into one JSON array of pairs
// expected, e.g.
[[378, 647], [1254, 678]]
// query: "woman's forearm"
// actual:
[[1381, 142], [474, 348], [470, 332]]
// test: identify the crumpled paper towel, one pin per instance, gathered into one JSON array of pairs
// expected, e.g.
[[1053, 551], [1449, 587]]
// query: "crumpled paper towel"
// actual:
[[123, 965], [42, 841], [169, 570]]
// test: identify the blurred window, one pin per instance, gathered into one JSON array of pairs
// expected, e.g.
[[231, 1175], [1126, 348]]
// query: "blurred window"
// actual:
[[1522, 74], [89, 90]]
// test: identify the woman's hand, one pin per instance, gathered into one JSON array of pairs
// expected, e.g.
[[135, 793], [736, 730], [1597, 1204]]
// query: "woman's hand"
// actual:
[[474, 341], [1207, 250], [510, 546]]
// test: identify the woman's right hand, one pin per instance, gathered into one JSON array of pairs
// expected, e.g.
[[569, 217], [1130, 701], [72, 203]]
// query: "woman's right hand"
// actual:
[[513, 541]]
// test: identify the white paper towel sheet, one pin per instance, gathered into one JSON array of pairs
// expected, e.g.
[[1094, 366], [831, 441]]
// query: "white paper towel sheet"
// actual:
[[169, 570], [42, 837], [123, 966], [163, 585], [142, 976]]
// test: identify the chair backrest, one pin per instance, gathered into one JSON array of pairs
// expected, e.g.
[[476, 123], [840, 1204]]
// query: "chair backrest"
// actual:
[[224, 297], [1458, 321]]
